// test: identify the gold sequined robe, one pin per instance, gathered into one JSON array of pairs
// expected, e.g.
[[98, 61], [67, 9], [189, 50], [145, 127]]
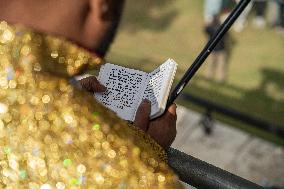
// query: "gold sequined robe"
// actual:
[[55, 136]]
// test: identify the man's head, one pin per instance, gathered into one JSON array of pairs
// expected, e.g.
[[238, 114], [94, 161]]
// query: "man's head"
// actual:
[[90, 23]]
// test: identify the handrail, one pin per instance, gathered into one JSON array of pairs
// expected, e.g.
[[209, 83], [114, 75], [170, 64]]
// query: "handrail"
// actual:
[[271, 128], [202, 175]]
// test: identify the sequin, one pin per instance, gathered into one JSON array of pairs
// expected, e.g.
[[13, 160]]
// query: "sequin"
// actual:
[[6, 35], [7, 150], [161, 178], [74, 181], [111, 154], [3, 108], [25, 50], [23, 174], [10, 73], [68, 118], [96, 127], [38, 116], [81, 168], [105, 145], [45, 99], [3, 83], [34, 100], [26, 38], [12, 84], [123, 149], [99, 178], [45, 186], [60, 185], [67, 138], [82, 179], [96, 114], [54, 54], [61, 60], [67, 162], [136, 151], [13, 164], [37, 67]]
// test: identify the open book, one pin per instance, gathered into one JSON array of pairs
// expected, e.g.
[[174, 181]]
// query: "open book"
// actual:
[[126, 88]]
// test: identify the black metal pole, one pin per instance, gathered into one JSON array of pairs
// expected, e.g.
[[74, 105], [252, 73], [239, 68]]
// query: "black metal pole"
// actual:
[[208, 49], [202, 175], [275, 129]]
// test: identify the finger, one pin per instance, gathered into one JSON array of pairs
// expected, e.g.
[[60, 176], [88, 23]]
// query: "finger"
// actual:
[[142, 115], [92, 84], [172, 111], [171, 115], [97, 86], [163, 132]]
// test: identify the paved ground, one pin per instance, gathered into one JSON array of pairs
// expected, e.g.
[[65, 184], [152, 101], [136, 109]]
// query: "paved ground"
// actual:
[[230, 149]]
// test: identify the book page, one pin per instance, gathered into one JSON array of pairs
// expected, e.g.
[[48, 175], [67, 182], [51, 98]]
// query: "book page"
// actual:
[[160, 81], [125, 88], [153, 89]]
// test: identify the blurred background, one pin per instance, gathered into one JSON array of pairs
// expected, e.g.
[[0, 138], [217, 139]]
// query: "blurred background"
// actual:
[[245, 74]]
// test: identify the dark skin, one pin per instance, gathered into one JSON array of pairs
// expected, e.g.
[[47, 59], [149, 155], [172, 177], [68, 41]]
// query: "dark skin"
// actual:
[[163, 129], [86, 22], [91, 24]]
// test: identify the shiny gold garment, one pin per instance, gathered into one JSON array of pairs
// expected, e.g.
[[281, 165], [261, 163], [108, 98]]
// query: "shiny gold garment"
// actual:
[[55, 136]]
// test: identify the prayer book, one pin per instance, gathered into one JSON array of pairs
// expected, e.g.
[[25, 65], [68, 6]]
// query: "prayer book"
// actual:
[[126, 88]]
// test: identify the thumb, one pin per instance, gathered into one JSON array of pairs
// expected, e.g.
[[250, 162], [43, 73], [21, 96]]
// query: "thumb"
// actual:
[[92, 84], [172, 111], [142, 115]]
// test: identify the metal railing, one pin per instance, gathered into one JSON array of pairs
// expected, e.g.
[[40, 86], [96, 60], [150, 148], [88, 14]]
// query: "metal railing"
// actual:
[[211, 107], [202, 175]]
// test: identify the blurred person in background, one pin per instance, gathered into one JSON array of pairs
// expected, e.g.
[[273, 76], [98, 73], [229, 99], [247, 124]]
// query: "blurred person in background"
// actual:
[[218, 61], [218, 65], [276, 14], [53, 135], [260, 11], [272, 13], [281, 14], [241, 22], [211, 8]]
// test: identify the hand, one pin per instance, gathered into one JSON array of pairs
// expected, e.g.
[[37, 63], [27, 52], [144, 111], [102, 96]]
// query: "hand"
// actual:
[[162, 129], [91, 84]]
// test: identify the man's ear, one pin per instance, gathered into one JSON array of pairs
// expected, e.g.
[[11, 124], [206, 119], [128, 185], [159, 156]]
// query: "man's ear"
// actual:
[[101, 23], [95, 27]]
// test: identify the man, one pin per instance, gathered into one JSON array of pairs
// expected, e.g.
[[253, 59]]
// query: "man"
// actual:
[[260, 11], [43, 117], [211, 8]]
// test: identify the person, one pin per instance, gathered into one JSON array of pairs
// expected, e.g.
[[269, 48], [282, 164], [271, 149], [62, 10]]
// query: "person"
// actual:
[[260, 11], [211, 8], [272, 13], [281, 14], [218, 64], [53, 135], [241, 22]]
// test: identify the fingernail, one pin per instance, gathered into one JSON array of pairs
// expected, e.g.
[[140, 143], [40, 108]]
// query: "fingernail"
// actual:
[[146, 101], [102, 88]]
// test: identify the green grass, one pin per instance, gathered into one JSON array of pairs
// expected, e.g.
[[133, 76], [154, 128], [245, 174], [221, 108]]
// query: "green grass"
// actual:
[[153, 31]]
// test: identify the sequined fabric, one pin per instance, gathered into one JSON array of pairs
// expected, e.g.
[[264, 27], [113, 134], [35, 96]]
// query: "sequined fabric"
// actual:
[[54, 136]]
